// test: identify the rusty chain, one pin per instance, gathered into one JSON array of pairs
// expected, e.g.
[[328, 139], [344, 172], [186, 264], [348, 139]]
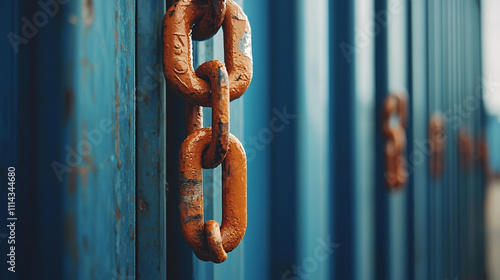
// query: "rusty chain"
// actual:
[[437, 140], [214, 84], [395, 144]]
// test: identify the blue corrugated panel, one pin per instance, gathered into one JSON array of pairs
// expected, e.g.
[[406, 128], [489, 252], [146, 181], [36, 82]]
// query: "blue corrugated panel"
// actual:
[[418, 143], [283, 192], [344, 190], [364, 146], [76, 124], [313, 150]]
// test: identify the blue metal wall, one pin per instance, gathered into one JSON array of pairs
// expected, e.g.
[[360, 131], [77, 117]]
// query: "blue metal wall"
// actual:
[[94, 136], [73, 101]]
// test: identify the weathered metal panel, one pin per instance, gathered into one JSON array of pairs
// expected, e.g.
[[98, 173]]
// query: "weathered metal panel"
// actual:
[[98, 192], [74, 83], [151, 142], [74, 126], [98, 141]]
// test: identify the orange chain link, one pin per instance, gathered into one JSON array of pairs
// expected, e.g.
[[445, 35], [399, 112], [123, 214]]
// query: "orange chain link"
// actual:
[[213, 84], [437, 140], [395, 145]]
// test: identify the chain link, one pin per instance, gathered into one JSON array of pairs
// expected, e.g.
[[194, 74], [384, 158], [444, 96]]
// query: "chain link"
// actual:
[[395, 145], [213, 84], [437, 140]]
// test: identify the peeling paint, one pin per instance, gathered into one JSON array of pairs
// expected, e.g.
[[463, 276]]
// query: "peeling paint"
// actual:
[[88, 12]]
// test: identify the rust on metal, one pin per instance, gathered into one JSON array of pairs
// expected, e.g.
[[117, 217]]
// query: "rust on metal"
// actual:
[[177, 51], [395, 145], [437, 141], [213, 84], [208, 242], [211, 22], [216, 72], [194, 118]]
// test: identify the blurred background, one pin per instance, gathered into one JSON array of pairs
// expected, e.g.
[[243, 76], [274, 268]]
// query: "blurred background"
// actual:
[[371, 130]]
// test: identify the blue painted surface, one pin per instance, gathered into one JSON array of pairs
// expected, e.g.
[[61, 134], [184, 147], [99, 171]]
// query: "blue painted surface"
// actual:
[[364, 151], [99, 206], [284, 71], [151, 142], [314, 162], [258, 145], [381, 198], [343, 107], [419, 269], [320, 174], [76, 140]]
